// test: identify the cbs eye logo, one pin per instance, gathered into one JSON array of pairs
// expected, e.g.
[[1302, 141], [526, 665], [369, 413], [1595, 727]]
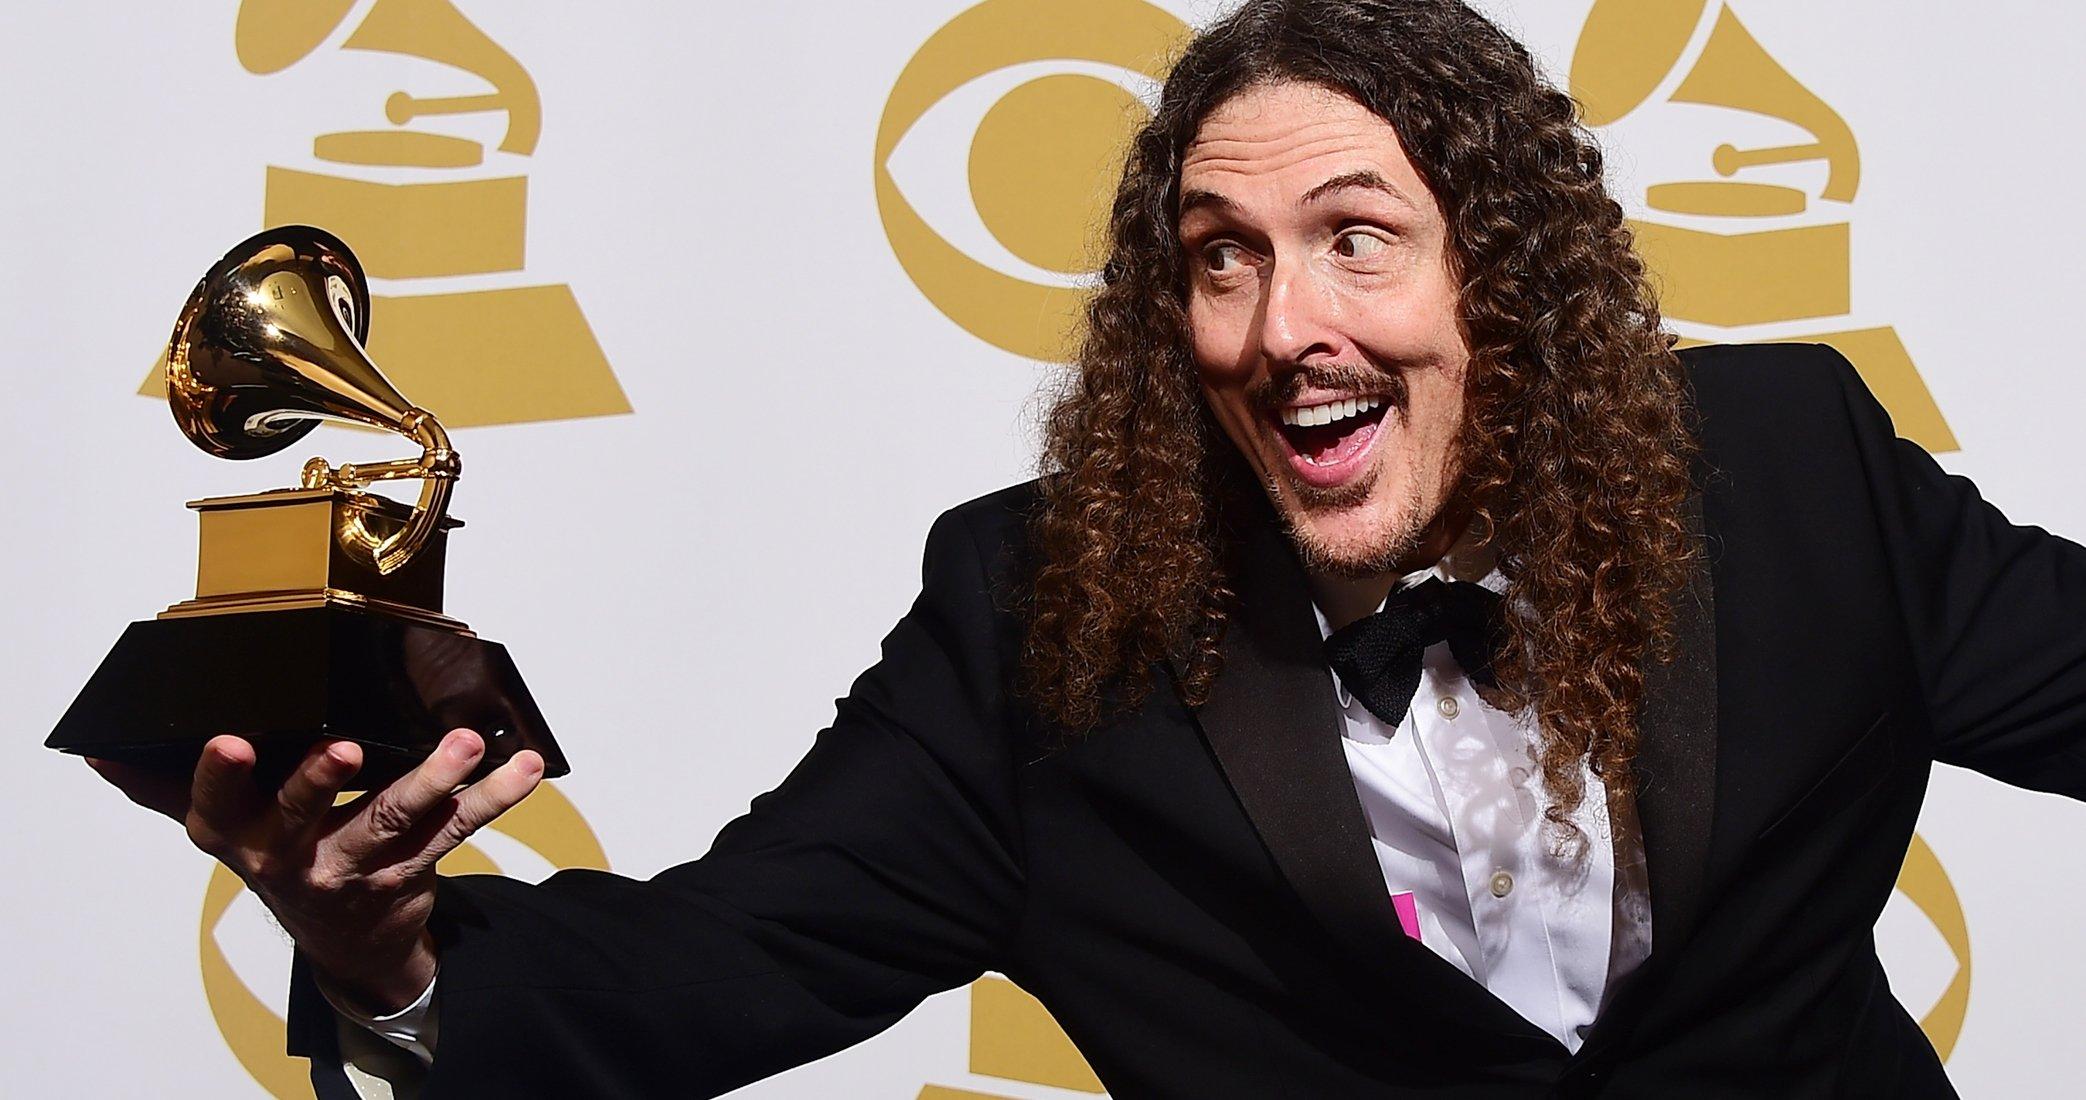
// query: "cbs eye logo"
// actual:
[[997, 154], [1926, 886]]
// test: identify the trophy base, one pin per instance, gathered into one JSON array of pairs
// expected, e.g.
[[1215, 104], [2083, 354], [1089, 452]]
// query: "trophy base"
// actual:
[[287, 678]]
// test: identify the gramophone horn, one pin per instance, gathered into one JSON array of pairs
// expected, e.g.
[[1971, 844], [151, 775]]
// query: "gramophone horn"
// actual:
[[1625, 50], [248, 365], [269, 344], [271, 35]]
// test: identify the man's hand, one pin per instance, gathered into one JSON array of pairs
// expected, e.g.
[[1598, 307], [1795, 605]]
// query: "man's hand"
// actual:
[[352, 884]]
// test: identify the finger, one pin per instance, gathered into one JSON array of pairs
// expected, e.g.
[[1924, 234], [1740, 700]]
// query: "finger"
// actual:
[[394, 811], [223, 799], [472, 808], [167, 794], [308, 793]]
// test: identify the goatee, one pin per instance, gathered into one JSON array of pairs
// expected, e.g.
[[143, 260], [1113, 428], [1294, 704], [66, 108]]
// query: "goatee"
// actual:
[[1380, 555]]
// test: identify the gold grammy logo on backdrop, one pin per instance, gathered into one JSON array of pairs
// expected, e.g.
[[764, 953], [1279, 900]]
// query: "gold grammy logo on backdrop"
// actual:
[[1733, 253], [545, 823], [1925, 884], [1042, 158], [512, 353], [1013, 1038]]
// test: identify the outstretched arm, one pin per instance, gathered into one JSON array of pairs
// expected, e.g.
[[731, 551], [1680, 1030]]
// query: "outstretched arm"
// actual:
[[1996, 612], [883, 869]]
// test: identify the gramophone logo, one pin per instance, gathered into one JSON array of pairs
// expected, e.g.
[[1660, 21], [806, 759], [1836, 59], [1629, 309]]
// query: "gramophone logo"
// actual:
[[545, 829], [997, 152], [1740, 257], [438, 220]]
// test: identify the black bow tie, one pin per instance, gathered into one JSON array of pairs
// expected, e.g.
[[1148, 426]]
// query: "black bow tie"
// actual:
[[1378, 656]]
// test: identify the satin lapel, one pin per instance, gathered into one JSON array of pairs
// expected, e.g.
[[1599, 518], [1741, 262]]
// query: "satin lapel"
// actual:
[[1273, 724], [1676, 762]]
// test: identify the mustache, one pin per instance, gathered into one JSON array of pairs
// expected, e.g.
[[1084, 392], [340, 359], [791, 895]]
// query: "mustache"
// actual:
[[1286, 382]]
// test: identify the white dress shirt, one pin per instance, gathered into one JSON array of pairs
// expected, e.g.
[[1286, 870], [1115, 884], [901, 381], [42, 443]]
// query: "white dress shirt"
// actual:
[[1455, 810]]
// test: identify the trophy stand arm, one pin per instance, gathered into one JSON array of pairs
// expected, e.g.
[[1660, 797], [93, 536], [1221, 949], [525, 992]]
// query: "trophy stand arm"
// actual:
[[437, 469]]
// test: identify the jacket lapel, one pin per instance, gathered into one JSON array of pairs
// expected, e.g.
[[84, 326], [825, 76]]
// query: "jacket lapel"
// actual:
[[1272, 723]]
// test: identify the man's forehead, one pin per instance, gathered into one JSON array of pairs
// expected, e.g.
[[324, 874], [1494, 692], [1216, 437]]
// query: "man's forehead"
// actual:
[[1295, 133]]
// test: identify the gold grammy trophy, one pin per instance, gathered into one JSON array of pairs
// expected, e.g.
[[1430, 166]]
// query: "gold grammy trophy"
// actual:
[[318, 609]]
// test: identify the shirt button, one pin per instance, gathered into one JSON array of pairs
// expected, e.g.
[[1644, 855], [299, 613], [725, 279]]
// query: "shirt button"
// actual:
[[1502, 884], [1448, 706]]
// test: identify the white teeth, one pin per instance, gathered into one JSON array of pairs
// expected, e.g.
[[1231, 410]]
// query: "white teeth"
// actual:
[[1328, 412]]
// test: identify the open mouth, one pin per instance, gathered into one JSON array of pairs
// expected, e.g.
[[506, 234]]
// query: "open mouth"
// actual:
[[1328, 441]]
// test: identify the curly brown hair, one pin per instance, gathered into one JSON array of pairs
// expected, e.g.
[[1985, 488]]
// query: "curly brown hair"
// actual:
[[1575, 451]]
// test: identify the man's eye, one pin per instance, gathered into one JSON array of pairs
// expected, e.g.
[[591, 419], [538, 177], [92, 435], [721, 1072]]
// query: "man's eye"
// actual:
[[1223, 259], [1357, 245]]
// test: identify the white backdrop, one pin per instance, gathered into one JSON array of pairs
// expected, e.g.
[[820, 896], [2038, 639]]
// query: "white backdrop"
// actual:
[[688, 585]]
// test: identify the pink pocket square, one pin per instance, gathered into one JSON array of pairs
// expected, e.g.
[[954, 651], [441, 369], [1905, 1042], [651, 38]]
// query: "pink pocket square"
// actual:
[[1408, 913]]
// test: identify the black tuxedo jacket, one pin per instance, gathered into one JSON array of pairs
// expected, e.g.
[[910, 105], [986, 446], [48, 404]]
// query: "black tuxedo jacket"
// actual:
[[1192, 891]]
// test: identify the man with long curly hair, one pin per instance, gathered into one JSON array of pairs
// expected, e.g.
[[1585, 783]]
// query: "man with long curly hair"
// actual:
[[1410, 675]]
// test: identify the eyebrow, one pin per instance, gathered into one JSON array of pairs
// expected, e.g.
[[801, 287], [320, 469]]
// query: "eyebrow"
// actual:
[[1365, 179], [1197, 200]]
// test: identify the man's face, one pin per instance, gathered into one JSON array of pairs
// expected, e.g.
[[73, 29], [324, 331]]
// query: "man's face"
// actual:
[[1323, 315]]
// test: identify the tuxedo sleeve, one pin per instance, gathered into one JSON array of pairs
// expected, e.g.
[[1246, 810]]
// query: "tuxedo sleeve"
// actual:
[[883, 869], [1995, 612]]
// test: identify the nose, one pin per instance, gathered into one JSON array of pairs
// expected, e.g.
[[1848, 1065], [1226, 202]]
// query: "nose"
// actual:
[[1298, 317]]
